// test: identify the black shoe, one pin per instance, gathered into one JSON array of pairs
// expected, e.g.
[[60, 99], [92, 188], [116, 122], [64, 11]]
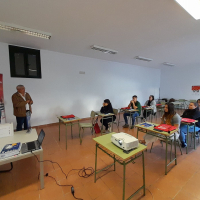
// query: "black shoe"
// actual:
[[183, 144]]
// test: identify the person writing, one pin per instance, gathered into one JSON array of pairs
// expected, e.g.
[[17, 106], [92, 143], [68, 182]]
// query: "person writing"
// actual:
[[22, 102], [105, 109], [134, 104]]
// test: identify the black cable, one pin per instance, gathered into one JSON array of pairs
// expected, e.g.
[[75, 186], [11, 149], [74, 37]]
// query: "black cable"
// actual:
[[72, 187], [83, 172]]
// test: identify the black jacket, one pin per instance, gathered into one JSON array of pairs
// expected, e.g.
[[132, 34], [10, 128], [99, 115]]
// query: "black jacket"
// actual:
[[192, 114], [107, 109]]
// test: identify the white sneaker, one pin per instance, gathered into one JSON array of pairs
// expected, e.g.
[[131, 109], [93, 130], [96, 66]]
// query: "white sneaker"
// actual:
[[107, 131]]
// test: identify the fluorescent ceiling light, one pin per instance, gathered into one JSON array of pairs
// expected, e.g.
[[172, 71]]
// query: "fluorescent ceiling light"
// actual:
[[27, 31], [169, 64], [103, 49], [143, 58], [191, 6]]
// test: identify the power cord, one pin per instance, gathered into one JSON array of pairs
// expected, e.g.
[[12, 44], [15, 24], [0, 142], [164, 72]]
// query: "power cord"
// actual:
[[83, 173], [72, 187]]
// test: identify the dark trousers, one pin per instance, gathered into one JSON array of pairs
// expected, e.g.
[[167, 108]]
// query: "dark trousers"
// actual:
[[106, 121], [146, 113], [20, 122]]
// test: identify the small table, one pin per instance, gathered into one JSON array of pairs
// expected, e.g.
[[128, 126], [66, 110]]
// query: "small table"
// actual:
[[164, 136], [102, 115], [147, 109], [68, 123], [104, 143], [187, 137], [23, 137]]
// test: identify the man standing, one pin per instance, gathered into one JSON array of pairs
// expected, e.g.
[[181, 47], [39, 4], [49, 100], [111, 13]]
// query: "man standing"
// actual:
[[134, 104], [21, 104]]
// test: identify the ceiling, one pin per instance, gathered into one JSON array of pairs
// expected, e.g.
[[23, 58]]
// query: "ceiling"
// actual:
[[157, 29]]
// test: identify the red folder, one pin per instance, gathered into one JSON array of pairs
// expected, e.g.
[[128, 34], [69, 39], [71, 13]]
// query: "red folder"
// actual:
[[144, 106], [125, 108], [68, 116], [165, 127], [158, 104], [187, 120]]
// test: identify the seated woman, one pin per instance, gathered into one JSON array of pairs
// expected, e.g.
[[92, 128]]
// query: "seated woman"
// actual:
[[170, 117], [107, 108], [151, 103], [192, 113]]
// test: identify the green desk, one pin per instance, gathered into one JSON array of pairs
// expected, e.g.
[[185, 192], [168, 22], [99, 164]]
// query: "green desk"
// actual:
[[68, 123], [102, 115], [104, 143], [164, 136], [187, 136]]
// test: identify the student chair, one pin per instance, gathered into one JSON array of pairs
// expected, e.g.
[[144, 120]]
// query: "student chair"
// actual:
[[87, 125], [116, 122]]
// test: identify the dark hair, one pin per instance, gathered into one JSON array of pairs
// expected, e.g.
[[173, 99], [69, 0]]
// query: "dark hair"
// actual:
[[107, 101], [135, 96], [198, 100], [195, 103], [171, 112], [152, 97]]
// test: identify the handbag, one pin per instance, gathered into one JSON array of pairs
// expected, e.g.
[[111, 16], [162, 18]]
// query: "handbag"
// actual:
[[96, 126]]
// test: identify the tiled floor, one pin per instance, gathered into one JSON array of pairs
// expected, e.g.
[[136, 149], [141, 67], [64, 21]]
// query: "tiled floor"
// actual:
[[181, 183]]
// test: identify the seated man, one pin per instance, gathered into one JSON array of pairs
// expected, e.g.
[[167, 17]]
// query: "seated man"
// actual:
[[192, 113], [134, 104]]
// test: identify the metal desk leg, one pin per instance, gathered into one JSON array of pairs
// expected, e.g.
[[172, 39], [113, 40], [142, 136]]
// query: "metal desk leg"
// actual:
[[137, 133], [41, 172], [130, 121], [102, 126], [95, 170], [112, 123], [143, 172], [166, 140], [187, 139], [80, 135], [66, 135], [114, 163], [194, 137], [71, 131], [59, 129], [124, 178], [175, 148]]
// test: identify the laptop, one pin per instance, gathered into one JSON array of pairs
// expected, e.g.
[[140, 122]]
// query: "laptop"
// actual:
[[34, 145]]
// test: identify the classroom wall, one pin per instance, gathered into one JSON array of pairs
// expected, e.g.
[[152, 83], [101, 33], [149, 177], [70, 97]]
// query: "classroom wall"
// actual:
[[177, 82], [62, 90]]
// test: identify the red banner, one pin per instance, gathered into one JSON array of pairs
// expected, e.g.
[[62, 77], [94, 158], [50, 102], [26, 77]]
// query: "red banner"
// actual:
[[2, 107]]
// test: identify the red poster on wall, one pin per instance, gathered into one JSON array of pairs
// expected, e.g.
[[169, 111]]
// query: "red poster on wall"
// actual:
[[2, 107]]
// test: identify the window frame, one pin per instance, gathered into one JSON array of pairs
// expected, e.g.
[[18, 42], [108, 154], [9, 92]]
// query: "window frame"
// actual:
[[25, 52]]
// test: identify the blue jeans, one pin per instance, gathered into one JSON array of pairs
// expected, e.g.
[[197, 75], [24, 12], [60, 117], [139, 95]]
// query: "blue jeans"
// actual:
[[183, 131], [134, 115]]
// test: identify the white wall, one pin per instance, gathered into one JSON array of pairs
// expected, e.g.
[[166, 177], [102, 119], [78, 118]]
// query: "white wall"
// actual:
[[62, 90], [177, 82]]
